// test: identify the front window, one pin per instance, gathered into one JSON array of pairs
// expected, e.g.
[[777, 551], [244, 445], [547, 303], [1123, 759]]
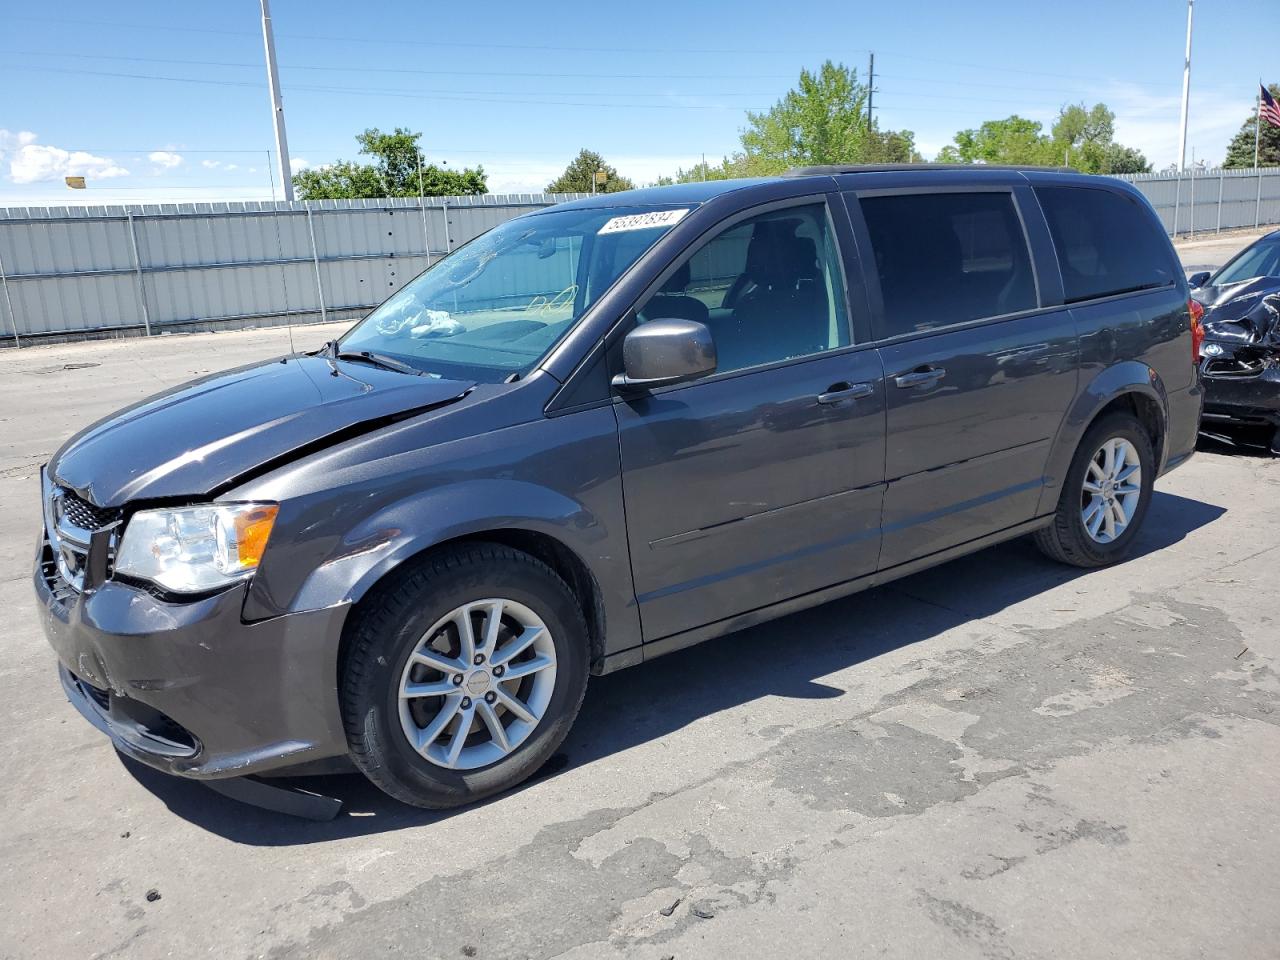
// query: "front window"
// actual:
[[493, 308], [769, 288], [1260, 260]]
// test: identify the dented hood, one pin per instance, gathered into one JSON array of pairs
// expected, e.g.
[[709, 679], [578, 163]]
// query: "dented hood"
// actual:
[[203, 436]]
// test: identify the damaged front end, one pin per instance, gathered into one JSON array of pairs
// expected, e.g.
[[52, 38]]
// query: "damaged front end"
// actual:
[[1240, 370]]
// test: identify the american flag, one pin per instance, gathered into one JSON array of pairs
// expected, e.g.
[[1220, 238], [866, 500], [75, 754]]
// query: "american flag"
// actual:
[[1267, 108]]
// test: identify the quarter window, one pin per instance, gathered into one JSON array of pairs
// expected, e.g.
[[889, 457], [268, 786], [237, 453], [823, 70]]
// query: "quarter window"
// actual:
[[948, 258], [1106, 243], [769, 288]]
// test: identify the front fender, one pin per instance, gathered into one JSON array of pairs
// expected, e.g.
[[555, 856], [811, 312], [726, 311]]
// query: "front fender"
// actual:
[[384, 540], [1105, 386], [350, 516]]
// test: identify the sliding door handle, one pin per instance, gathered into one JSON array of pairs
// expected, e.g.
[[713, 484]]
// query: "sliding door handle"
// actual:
[[920, 377], [846, 391]]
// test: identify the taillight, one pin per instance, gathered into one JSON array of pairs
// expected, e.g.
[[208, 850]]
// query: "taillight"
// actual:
[[1197, 328]]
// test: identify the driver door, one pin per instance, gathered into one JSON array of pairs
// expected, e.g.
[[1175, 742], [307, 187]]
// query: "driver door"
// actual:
[[764, 480]]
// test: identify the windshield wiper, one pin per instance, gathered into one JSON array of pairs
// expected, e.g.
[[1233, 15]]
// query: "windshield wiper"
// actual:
[[381, 360], [330, 350]]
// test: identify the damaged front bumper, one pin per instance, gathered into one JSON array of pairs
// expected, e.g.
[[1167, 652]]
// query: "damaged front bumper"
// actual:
[[189, 688], [1240, 371]]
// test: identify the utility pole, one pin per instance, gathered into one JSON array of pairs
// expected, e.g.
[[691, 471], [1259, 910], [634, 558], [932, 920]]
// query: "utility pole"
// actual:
[[277, 108], [1186, 92], [871, 91]]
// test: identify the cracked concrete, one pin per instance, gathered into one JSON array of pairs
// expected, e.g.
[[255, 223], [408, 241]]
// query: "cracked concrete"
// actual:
[[998, 758]]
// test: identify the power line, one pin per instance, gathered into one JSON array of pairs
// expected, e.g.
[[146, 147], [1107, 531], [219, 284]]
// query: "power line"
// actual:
[[514, 96], [662, 75], [462, 44], [451, 95], [471, 44]]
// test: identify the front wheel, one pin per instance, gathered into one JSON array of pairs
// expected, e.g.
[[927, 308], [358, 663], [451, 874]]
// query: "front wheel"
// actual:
[[1105, 495], [462, 676]]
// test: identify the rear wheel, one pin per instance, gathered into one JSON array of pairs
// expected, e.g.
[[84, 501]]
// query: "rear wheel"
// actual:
[[463, 675], [1105, 495]]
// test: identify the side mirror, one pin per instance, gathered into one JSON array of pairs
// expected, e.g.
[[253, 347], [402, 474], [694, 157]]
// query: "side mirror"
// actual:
[[1198, 279], [663, 352]]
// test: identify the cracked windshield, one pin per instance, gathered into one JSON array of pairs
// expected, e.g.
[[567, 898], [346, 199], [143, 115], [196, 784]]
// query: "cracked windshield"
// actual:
[[493, 308]]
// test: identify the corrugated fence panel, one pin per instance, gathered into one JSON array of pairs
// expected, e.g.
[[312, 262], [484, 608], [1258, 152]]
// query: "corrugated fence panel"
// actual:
[[71, 271]]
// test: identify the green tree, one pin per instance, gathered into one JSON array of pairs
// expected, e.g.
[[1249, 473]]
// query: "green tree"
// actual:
[[394, 172], [702, 171], [822, 120], [1122, 159], [582, 170], [1012, 140], [1078, 125], [1240, 149], [1081, 137]]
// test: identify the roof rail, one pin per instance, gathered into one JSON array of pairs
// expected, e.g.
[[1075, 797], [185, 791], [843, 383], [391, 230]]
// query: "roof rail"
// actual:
[[831, 169]]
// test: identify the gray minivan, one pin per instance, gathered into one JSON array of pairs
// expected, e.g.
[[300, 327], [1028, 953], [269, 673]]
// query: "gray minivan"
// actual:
[[600, 433]]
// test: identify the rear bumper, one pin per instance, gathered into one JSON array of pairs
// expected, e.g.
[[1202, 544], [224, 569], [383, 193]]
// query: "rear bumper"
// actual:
[[189, 689]]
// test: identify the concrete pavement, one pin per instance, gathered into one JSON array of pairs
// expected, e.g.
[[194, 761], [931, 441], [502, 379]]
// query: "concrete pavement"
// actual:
[[999, 758]]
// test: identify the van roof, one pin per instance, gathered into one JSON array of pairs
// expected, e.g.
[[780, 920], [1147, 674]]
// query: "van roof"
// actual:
[[700, 191]]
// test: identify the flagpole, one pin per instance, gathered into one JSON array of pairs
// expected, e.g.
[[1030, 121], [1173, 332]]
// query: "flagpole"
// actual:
[[1257, 127], [1186, 93], [1257, 134]]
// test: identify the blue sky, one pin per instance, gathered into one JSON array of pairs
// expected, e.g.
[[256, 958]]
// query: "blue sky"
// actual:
[[164, 101]]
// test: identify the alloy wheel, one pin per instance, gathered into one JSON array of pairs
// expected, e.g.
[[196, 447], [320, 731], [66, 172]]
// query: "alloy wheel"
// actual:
[[1112, 490], [477, 684]]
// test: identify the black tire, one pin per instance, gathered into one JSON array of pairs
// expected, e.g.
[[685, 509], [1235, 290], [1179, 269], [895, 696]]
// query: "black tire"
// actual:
[[1066, 539], [386, 630]]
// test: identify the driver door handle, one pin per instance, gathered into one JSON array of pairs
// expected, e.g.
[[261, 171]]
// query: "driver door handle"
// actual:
[[846, 391], [919, 377]]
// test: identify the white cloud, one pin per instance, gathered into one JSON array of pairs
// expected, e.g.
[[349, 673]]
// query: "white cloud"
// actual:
[[32, 162], [297, 163], [1150, 123], [165, 159], [218, 165], [10, 142]]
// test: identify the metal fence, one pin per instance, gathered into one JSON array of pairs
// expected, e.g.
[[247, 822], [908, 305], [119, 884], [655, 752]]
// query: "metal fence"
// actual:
[[1209, 201], [72, 272]]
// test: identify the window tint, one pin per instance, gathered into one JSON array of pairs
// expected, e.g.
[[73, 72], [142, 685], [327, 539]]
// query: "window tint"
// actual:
[[948, 258], [1106, 242], [769, 288]]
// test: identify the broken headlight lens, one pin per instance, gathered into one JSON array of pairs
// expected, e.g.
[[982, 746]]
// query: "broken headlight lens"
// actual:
[[194, 549]]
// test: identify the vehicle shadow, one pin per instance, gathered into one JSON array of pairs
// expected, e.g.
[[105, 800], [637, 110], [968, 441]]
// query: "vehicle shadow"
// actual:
[[1250, 442], [635, 706]]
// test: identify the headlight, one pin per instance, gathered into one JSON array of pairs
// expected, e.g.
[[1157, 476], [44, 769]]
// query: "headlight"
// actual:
[[193, 549]]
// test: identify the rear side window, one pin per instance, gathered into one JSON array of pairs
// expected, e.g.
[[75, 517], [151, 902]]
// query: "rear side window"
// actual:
[[948, 258], [1106, 242]]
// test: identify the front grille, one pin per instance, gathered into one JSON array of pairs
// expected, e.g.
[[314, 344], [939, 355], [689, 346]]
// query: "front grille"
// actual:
[[85, 515], [72, 526]]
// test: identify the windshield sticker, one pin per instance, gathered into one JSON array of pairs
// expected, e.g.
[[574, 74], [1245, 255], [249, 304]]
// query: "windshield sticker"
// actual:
[[644, 221]]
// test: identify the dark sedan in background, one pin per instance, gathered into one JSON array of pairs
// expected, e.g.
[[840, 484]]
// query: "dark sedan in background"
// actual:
[[1240, 357]]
